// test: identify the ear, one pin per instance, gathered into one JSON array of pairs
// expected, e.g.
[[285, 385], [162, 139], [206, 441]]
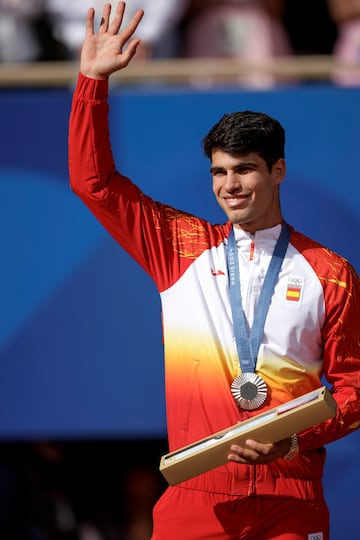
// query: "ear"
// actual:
[[279, 171]]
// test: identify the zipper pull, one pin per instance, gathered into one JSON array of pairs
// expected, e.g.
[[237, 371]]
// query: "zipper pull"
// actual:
[[252, 250]]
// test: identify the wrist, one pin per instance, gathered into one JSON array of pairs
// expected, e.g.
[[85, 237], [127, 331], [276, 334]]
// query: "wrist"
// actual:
[[93, 75]]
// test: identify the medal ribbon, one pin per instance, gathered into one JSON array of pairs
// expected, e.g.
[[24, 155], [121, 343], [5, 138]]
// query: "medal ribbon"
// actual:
[[248, 346]]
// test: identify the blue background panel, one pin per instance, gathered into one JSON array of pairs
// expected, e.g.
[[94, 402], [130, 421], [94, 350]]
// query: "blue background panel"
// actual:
[[80, 336]]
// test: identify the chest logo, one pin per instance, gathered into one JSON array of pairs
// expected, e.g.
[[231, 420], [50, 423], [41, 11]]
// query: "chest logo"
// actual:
[[294, 289], [217, 272]]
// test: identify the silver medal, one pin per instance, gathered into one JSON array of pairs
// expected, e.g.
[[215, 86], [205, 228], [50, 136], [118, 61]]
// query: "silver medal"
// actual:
[[249, 391]]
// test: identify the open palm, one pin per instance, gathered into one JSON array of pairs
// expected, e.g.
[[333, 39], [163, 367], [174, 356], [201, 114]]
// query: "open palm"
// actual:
[[109, 49]]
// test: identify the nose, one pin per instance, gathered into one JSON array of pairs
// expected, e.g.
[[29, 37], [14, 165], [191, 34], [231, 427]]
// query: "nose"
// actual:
[[232, 182]]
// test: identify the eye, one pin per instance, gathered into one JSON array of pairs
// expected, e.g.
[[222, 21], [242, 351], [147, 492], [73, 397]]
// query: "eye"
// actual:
[[217, 172], [244, 170]]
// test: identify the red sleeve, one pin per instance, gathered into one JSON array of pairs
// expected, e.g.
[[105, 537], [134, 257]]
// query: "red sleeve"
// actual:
[[151, 232], [341, 350]]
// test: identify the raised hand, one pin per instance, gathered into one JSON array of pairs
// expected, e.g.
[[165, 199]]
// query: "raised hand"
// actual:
[[109, 49]]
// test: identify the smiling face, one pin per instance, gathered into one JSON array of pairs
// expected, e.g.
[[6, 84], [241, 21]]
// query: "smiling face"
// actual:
[[246, 190]]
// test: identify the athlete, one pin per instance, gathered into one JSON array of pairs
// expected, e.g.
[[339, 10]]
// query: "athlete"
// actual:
[[214, 377]]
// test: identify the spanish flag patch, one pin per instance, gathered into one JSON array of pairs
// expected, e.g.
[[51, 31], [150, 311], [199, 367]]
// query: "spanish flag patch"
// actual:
[[293, 289]]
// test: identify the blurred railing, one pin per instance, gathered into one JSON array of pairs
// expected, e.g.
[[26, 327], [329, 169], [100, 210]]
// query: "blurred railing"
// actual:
[[204, 72]]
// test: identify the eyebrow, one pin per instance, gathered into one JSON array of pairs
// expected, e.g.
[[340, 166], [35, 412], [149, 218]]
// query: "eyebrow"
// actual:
[[238, 165]]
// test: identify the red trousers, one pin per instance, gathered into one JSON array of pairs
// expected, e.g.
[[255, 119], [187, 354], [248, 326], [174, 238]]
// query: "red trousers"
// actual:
[[187, 514]]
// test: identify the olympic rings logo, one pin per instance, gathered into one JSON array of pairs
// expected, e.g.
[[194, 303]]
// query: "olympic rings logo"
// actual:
[[297, 281]]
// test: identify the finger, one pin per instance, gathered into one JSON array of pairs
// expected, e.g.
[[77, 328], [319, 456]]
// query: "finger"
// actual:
[[118, 18], [244, 453], [104, 23], [132, 26], [90, 22], [129, 52], [241, 459], [260, 448]]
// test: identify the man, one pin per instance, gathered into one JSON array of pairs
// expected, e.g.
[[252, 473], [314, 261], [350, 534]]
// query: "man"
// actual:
[[264, 491]]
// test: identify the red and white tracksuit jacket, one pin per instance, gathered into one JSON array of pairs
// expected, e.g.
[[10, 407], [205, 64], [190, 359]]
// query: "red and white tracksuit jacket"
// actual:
[[312, 328]]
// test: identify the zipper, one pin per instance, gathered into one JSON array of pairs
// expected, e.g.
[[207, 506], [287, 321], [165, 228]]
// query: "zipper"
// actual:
[[252, 480]]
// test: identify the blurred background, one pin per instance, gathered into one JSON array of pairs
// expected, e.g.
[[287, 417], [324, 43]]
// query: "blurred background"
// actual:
[[82, 415]]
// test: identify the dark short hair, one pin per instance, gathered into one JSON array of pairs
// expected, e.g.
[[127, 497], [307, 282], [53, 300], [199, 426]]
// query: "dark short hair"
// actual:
[[240, 133]]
